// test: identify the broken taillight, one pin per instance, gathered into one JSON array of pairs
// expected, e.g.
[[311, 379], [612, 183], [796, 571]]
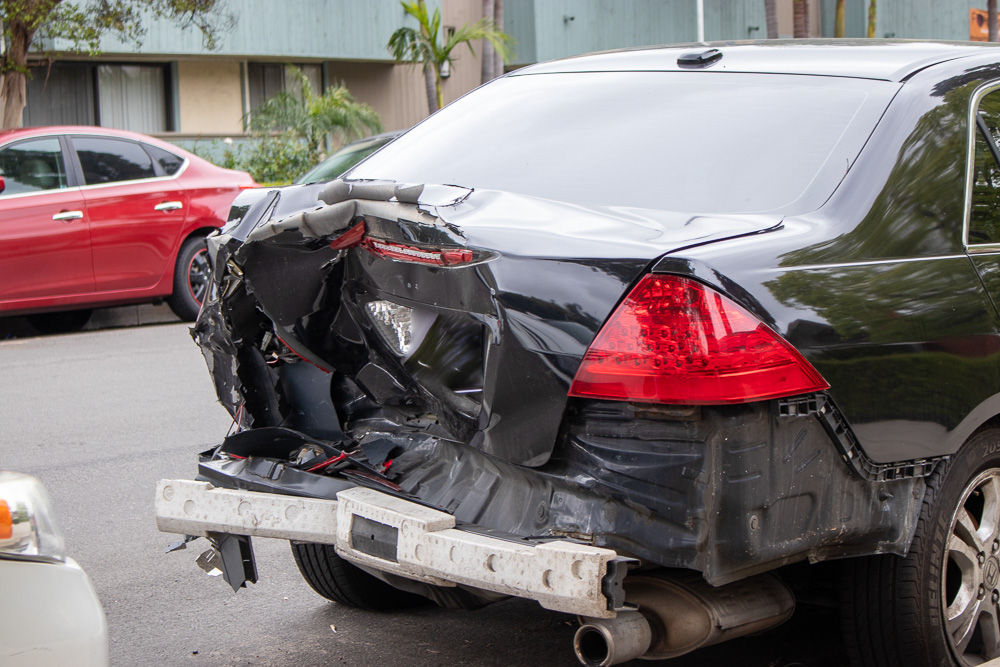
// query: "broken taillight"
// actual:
[[674, 340], [350, 238], [405, 253]]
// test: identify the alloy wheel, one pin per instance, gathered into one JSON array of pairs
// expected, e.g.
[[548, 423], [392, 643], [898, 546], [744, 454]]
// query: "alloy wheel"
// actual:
[[971, 581], [198, 275]]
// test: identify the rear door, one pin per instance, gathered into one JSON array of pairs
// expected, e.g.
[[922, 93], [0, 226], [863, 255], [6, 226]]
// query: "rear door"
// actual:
[[44, 229], [136, 212]]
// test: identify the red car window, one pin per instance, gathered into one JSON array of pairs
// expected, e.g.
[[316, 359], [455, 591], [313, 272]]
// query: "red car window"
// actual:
[[169, 162], [112, 160], [32, 166]]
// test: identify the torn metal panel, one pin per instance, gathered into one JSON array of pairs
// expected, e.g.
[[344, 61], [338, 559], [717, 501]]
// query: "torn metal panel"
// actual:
[[338, 316]]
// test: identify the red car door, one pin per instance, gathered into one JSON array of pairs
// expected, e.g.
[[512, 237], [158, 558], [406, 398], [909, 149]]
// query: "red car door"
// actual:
[[136, 212], [44, 230]]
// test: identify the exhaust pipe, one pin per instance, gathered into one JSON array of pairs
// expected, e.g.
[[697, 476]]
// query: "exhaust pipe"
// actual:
[[681, 613], [601, 642]]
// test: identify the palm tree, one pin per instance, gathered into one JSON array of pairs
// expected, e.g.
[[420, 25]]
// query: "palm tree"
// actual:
[[800, 18], [316, 118], [838, 20], [426, 46], [991, 13], [489, 57], [771, 14], [872, 14]]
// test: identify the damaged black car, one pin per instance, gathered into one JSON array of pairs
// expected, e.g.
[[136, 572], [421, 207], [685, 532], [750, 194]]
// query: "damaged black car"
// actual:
[[627, 334]]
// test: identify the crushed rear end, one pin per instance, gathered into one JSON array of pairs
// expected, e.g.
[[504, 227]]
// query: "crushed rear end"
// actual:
[[435, 381]]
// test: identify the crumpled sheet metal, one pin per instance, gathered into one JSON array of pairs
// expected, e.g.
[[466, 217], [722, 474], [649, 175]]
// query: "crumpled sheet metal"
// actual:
[[347, 201]]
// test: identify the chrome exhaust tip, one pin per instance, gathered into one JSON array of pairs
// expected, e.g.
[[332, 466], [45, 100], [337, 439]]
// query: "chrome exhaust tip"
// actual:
[[604, 642]]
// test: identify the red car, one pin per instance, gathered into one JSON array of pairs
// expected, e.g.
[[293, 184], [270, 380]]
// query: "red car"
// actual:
[[97, 217]]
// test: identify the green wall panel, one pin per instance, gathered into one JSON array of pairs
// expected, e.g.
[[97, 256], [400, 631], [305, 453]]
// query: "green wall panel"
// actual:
[[326, 29]]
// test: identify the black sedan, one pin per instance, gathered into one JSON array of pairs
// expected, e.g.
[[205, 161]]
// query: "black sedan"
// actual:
[[628, 334]]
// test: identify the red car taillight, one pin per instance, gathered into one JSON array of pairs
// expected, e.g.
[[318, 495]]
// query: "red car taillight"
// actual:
[[674, 340], [405, 253]]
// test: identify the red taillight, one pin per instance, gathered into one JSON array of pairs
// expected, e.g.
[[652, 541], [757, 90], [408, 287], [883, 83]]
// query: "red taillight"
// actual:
[[674, 340], [350, 238], [405, 253]]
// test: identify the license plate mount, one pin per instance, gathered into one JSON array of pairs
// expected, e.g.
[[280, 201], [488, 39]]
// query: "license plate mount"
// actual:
[[374, 539]]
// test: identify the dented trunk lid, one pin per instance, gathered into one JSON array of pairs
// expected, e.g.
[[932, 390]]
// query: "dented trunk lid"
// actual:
[[470, 308]]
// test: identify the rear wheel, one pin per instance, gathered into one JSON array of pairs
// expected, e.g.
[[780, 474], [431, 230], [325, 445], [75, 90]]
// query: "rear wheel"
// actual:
[[335, 579], [61, 322], [940, 605], [191, 279]]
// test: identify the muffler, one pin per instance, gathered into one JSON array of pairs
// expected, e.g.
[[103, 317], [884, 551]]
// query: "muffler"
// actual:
[[679, 613]]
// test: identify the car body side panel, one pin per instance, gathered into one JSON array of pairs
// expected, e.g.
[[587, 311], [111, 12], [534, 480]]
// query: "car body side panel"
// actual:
[[876, 288], [41, 257], [133, 242], [911, 349]]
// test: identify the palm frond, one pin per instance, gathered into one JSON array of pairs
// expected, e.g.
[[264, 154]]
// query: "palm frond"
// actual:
[[482, 29]]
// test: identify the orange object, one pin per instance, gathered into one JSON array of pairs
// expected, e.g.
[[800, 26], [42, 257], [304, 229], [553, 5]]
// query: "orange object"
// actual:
[[979, 30], [6, 522]]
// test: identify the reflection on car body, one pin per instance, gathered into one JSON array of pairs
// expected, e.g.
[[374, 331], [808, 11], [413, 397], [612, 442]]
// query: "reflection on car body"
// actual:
[[634, 379]]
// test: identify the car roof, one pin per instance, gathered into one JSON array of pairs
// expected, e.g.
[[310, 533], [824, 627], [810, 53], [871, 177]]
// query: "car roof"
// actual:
[[52, 130], [385, 136], [887, 60], [47, 130]]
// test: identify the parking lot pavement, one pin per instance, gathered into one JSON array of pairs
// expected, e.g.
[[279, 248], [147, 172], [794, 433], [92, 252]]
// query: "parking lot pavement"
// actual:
[[100, 416]]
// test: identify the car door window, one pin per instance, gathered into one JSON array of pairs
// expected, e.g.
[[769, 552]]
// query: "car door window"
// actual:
[[32, 166], [984, 215], [112, 160], [169, 162]]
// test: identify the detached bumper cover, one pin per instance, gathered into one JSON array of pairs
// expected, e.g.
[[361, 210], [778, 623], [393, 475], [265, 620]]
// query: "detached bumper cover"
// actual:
[[392, 535]]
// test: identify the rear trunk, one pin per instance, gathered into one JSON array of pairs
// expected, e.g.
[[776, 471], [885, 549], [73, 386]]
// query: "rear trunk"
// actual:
[[421, 340], [471, 315]]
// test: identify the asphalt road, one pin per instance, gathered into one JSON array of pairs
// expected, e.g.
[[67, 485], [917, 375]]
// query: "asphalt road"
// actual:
[[100, 416]]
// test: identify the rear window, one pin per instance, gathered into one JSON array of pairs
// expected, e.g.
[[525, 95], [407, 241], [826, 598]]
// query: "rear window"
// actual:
[[698, 142], [341, 161]]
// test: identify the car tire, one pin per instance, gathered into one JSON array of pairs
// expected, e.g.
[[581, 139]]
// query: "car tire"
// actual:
[[896, 609], [338, 580], [64, 321], [191, 279]]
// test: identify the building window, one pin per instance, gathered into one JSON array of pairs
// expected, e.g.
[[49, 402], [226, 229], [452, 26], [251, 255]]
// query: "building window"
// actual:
[[62, 94], [127, 97], [132, 97], [265, 80]]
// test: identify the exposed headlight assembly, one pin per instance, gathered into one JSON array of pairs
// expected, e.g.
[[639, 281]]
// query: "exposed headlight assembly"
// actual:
[[28, 528]]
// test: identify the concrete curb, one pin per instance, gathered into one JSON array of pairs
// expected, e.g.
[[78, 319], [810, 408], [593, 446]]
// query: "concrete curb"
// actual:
[[103, 318]]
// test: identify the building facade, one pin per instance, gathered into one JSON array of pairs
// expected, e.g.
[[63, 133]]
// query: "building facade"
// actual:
[[170, 86]]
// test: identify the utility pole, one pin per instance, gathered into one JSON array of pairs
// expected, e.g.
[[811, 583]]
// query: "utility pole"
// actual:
[[701, 19], [991, 18]]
